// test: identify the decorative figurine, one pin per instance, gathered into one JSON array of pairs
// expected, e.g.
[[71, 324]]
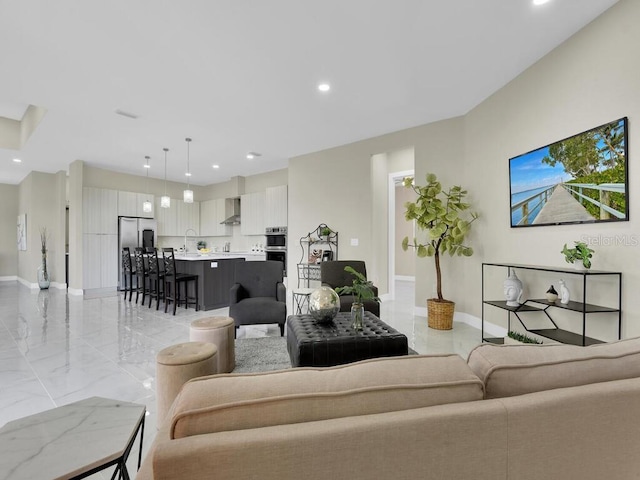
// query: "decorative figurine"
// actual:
[[551, 294], [564, 293], [513, 290]]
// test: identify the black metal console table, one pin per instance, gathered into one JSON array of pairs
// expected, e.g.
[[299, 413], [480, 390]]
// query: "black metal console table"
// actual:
[[544, 306]]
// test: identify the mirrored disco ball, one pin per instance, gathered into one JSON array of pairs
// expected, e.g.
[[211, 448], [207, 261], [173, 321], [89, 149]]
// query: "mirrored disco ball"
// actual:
[[324, 304]]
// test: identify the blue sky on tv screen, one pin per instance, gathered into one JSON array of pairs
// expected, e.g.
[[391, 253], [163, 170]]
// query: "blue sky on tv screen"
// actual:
[[528, 172]]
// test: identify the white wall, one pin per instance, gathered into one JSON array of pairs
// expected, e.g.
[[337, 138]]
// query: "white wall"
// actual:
[[589, 80], [340, 187], [8, 238]]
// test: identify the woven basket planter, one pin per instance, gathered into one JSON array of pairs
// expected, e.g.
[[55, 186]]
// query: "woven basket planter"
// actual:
[[440, 314]]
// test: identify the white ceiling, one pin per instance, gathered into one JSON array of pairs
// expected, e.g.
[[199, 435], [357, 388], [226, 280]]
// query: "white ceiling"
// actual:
[[240, 76]]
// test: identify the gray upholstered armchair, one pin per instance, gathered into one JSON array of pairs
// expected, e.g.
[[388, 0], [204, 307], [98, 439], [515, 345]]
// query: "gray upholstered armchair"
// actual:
[[333, 275], [258, 295]]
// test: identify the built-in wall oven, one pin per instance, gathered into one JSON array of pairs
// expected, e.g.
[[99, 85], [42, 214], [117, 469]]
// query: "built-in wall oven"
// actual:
[[276, 245]]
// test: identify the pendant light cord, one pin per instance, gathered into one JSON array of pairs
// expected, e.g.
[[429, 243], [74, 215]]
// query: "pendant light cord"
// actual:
[[165, 170], [188, 140], [147, 158]]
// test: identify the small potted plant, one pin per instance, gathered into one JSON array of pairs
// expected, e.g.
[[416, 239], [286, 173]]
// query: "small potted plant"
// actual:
[[515, 338], [361, 289], [580, 255], [325, 232]]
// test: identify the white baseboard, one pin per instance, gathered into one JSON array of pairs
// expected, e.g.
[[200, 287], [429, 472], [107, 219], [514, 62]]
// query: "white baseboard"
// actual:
[[11, 278], [489, 328], [405, 278], [75, 291]]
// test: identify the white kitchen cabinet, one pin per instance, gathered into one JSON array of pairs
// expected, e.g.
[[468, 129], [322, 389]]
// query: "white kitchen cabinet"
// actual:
[[212, 212], [127, 204], [130, 204], [99, 210], [166, 218], [100, 261], [276, 206], [188, 217], [175, 220], [253, 209]]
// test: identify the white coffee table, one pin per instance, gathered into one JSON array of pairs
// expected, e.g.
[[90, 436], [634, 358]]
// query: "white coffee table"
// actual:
[[72, 441]]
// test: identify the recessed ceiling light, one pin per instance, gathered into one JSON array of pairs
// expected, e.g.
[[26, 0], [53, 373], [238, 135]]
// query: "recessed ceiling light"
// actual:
[[146, 165], [252, 155], [540, 2], [188, 174], [17, 160], [324, 87], [216, 166]]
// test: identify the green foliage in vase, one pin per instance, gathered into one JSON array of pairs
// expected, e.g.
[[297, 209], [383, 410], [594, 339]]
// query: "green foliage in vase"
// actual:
[[361, 288], [440, 213]]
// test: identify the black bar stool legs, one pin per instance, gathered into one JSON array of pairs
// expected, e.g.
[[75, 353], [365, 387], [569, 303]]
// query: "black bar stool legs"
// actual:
[[172, 281]]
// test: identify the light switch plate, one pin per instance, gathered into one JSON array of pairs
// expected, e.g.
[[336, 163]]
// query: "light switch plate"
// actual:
[[354, 242], [214, 264]]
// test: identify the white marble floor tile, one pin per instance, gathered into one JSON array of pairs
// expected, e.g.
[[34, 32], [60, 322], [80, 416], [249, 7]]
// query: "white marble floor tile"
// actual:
[[56, 349]]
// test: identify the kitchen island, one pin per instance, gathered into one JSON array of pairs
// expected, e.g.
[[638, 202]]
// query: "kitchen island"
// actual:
[[215, 276]]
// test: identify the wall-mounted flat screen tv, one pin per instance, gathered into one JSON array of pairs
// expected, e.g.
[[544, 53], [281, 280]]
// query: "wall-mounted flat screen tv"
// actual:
[[581, 179]]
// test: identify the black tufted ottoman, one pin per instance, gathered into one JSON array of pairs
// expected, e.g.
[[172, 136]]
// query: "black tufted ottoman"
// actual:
[[311, 344]]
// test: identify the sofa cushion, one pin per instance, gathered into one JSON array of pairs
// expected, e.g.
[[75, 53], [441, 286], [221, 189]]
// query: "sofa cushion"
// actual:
[[234, 402], [508, 370]]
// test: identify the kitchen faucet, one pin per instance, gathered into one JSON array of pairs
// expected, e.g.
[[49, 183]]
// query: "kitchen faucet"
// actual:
[[186, 245]]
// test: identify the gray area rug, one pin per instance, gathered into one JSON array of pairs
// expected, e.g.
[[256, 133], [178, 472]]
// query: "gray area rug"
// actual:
[[264, 354], [261, 354]]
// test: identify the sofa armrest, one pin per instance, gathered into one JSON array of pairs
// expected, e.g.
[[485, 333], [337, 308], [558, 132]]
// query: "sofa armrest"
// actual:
[[281, 292]]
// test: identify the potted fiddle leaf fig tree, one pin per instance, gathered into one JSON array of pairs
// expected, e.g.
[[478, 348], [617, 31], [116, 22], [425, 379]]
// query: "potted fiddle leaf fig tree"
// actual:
[[441, 213]]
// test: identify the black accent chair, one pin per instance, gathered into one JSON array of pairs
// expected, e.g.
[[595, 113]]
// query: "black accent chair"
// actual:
[[173, 280], [142, 274], [127, 272], [258, 295], [156, 277], [332, 274]]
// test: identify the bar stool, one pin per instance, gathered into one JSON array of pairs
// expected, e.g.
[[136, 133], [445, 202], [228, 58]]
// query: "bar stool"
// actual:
[[127, 272], [156, 277], [172, 281], [141, 273]]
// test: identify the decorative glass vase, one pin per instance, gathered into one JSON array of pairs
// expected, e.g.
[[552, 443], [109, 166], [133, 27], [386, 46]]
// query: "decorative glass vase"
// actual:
[[357, 316], [43, 274]]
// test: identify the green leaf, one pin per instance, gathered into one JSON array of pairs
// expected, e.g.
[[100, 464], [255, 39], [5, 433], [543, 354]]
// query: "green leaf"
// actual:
[[405, 243], [431, 250], [431, 177], [422, 251]]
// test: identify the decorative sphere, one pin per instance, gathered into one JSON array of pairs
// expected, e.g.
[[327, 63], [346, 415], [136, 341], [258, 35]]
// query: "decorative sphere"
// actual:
[[324, 304]]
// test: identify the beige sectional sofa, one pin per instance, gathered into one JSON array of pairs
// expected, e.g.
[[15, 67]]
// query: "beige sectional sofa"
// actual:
[[508, 412]]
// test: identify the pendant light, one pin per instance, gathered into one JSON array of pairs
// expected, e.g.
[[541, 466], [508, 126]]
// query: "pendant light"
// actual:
[[165, 200], [188, 193], [147, 206]]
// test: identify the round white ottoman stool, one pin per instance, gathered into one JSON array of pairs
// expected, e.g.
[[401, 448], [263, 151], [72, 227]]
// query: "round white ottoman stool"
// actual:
[[220, 332], [177, 364]]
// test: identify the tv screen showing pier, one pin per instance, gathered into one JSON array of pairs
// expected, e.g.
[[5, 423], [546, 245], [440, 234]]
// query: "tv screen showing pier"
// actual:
[[581, 179]]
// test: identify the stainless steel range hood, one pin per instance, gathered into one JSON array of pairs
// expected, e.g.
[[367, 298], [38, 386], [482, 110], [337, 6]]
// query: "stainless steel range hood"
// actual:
[[232, 208]]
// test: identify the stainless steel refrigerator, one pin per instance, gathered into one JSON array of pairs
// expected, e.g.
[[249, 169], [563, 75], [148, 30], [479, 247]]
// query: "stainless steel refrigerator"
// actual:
[[134, 232]]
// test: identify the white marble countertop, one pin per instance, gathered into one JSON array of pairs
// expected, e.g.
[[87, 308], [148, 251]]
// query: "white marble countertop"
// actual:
[[217, 256], [67, 441]]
